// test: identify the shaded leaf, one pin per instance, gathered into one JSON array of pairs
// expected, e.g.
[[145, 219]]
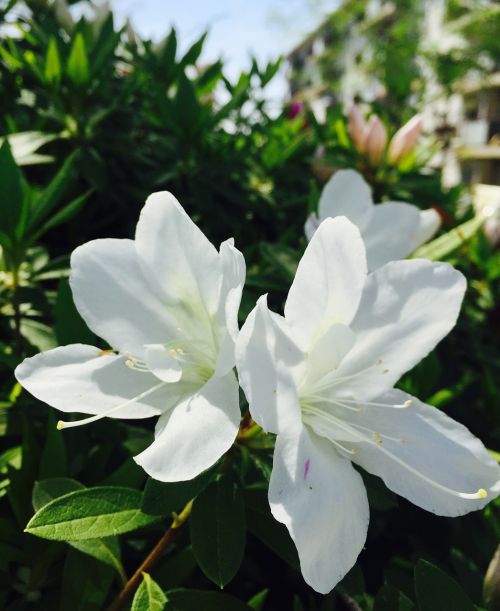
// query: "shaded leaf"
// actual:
[[149, 596]]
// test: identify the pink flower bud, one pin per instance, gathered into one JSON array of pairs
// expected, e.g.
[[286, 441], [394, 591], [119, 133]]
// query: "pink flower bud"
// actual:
[[405, 139], [357, 128], [375, 140]]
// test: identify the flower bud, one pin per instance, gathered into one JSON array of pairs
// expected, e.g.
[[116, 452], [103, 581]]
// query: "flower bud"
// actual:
[[375, 140], [405, 139], [357, 128]]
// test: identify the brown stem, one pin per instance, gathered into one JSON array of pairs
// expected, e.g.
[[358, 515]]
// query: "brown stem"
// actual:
[[151, 559]]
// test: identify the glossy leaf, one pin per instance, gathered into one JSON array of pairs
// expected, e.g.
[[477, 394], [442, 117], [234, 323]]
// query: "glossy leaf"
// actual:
[[436, 590], [162, 498], [218, 530]]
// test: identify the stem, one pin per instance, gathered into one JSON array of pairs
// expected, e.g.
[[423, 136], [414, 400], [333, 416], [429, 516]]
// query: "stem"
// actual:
[[151, 559], [18, 342]]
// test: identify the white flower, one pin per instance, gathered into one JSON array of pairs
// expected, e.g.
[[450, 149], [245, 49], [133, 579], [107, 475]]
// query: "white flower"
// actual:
[[167, 304], [391, 230], [322, 378]]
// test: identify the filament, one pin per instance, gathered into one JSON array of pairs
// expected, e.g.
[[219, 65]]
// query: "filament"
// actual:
[[62, 424]]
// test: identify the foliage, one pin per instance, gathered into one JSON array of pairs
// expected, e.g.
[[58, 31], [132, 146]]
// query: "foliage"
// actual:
[[119, 118]]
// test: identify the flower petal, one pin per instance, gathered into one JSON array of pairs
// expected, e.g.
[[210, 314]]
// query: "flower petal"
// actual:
[[177, 258], [311, 225], [347, 194], [329, 280], [406, 309], [162, 364], [327, 354], [233, 279], [113, 297], [80, 378], [429, 458], [193, 436], [322, 501], [429, 223], [389, 234], [265, 358]]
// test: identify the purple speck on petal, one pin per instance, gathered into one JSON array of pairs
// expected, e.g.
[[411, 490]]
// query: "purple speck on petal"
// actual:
[[307, 464]]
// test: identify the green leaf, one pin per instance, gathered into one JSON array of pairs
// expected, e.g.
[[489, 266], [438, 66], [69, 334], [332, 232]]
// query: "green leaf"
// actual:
[[218, 530], [62, 215], [444, 245], [77, 67], [192, 55], [85, 583], [162, 498], [197, 600], [47, 490], [53, 462], [262, 524], [91, 513], [149, 596], [69, 326], [52, 71], [12, 200], [258, 600], [390, 598], [106, 550], [53, 192], [435, 590]]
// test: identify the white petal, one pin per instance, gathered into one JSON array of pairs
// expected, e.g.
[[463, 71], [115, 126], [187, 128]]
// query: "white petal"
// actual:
[[347, 194], [80, 378], [406, 309], [327, 353], [329, 280], [194, 435], [322, 501], [429, 223], [311, 225], [430, 459], [114, 298], [233, 279], [388, 236], [265, 358], [162, 364], [175, 255]]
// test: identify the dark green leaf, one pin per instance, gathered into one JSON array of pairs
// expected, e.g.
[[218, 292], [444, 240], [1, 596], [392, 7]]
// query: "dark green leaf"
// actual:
[[69, 326], [47, 490], [197, 600], [53, 193], [149, 596], [12, 198], [436, 591], [53, 459], [91, 513], [162, 498], [218, 530], [262, 524], [390, 598]]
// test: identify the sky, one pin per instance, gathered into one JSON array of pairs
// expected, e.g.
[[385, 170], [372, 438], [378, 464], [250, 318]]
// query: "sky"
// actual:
[[237, 28]]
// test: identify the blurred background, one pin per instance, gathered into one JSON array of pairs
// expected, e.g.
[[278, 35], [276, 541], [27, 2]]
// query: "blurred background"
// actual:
[[243, 110]]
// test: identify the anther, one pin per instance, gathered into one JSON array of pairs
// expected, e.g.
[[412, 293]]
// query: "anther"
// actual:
[[408, 403], [377, 438]]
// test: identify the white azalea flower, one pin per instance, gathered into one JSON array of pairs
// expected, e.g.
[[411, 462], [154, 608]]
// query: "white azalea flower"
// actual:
[[167, 304], [322, 378], [391, 230]]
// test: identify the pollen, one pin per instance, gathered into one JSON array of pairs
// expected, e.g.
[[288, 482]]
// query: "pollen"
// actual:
[[482, 493], [408, 403], [377, 438], [60, 425], [385, 371], [105, 352]]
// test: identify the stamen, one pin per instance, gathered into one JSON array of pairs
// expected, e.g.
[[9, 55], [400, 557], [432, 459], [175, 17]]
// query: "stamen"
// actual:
[[375, 440], [62, 424], [339, 380], [319, 398]]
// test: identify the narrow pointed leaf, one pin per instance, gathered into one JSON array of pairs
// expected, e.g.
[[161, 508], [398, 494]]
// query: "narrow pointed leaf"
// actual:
[[436, 590]]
